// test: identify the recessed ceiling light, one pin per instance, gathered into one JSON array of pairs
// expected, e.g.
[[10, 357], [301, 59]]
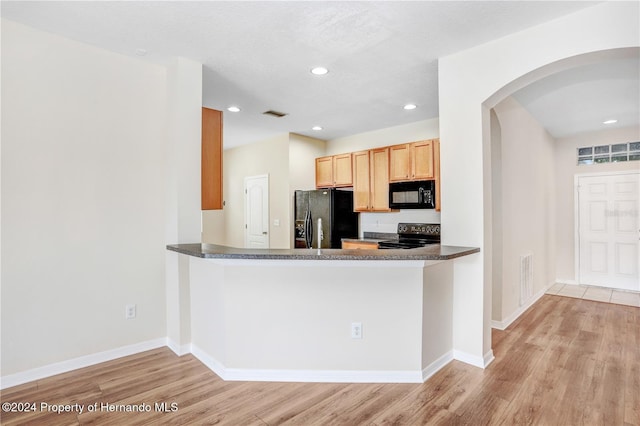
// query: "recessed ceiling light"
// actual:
[[316, 128], [141, 52], [233, 109], [319, 71], [610, 122], [410, 106]]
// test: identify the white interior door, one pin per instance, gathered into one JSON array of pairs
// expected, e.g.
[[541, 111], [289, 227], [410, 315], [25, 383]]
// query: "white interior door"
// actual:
[[609, 230], [256, 208]]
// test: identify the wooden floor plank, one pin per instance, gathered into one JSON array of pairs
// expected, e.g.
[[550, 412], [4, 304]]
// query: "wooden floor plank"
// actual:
[[300, 398], [563, 362], [632, 366]]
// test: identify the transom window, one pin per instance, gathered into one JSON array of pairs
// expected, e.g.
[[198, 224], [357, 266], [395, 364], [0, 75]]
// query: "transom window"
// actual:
[[609, 153]]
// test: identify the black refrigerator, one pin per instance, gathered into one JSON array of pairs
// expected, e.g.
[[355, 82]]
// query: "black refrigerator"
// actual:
[[334, 207]]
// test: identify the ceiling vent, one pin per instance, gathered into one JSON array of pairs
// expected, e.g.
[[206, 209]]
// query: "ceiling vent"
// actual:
[[273, 113]]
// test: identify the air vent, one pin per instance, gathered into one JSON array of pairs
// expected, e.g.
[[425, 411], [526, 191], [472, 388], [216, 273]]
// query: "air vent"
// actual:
[[526, 278], [274, 113]]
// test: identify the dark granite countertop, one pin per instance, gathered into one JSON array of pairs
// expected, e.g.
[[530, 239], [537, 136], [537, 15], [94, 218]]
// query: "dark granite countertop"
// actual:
[[431, 252]]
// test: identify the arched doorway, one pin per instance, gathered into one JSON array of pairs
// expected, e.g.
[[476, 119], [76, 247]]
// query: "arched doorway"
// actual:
[[470, 84], [525, 219]]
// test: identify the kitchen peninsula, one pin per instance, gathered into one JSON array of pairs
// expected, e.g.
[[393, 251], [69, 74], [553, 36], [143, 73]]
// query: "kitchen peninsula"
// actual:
[[330, 316]]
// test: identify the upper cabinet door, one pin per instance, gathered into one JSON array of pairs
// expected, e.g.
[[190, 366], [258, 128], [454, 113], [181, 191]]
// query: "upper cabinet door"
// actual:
[[380, 179], [211, 160], [334, 171], [324, 172], [422, 160], [342, 173], [411, 161], [399, 163], [361, 181]]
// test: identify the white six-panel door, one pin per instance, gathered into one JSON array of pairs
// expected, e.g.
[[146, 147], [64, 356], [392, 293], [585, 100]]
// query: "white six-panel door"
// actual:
[[256, 190], [609, 230]]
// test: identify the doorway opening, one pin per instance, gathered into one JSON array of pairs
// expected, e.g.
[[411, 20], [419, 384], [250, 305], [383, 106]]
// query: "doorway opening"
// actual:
[[523, 189]]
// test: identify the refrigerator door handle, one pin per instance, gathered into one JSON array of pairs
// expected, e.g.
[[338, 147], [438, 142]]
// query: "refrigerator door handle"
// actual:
[[308, 228]]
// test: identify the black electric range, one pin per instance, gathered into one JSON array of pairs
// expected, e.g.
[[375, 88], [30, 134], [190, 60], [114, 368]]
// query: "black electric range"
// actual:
[[413, 235]]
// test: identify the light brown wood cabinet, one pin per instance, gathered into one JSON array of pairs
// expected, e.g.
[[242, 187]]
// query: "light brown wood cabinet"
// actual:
[[370, 172], [211, 160], [379, 180], [364, 245], [361, 181], [422, 160], [411, 161], [324, 172], [371, 180], [334, 171], [399, 163]]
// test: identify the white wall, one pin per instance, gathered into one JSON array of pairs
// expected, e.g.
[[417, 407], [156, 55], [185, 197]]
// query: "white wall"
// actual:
[[525, 201], [213, 227], [470, 84], [566, 168], [183, 198], [496, 216], [303, 151], [83, 188], [411, 132], [257, 320]]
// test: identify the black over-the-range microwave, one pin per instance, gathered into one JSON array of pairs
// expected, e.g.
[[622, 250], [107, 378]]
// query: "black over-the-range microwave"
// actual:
[[413, 195]]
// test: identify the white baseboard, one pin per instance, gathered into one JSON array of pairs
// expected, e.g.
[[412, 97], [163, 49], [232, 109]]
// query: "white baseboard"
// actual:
[[570, 282], [80, 362], [324, 376], [178, 349], [316, 376], [237, 374], [476, 361], [436, 365], [498, 325], [488, 358], [210, 362], [502, 325]]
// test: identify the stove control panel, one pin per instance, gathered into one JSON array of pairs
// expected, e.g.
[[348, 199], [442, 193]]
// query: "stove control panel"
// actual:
[[419, 228]]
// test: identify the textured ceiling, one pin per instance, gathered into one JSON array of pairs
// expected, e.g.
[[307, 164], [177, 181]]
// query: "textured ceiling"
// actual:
[[257, 55]]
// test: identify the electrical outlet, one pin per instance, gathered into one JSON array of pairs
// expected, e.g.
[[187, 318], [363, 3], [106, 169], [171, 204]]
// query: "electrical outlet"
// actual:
[[130, 311], [356, 330]]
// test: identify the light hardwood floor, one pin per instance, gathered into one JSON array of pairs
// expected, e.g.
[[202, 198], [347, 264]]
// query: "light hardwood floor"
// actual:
[[564, 362]]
